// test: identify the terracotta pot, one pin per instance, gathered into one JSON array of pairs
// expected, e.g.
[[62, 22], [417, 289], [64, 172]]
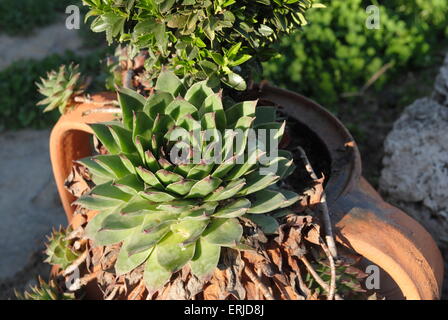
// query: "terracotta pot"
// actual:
[[410, 263]]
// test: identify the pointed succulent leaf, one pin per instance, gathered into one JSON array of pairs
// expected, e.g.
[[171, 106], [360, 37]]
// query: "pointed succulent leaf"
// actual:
[[234, 209], [168, 177], [130, 184], [97, 203], [200, 171], [198, 93], [157, 103], [190, 229], [102, 238], [223, 232], [95, 169], [179, 108], [290, 196], [121, 222], [155, 276], [256, 182], [149, 178], [113, 164], [169, 82], [156, 195], [103, 133], [151, 161], [127, 262], [266, 200], [239, 110], [172, 254], [142, 126], [206, 258], [181, 187], [204, 187], [213, 104], [267, 223], [123, 138], [226, 192], [130, 102]]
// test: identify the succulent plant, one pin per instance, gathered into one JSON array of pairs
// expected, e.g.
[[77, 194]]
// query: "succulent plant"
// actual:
[[59, 250], [45, 291], [60, 87], [172, 213]]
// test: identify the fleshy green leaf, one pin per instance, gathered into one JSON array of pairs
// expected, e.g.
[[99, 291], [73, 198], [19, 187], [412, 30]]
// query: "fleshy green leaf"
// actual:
[[206, 258], [223, 232], [235, 209], [172, 254], [130, 102], [266, 201]]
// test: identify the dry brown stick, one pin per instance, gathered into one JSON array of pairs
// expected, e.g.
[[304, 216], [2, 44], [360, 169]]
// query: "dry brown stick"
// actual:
[[329, 237], [260, 285]]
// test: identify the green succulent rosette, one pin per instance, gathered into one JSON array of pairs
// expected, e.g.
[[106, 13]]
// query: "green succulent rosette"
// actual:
[[171, 213]]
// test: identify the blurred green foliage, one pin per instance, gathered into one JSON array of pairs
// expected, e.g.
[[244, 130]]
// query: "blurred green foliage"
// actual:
[[22, 16], [337, 54], [18, 93]]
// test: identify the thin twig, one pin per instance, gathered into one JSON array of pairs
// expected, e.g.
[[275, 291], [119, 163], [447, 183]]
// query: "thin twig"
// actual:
[[76, 263], [316, 276], [369, 82], [332, 289], [260, 285], [329, 237]]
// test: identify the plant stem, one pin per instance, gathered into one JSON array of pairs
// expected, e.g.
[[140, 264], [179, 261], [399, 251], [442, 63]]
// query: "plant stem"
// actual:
[[329, 237]]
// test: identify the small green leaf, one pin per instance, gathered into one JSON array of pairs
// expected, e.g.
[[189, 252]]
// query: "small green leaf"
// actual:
[[223, 232], [226, 192], [181, 187], [130, 102], [235, 209], [197, 93], [155, 276], [157, 103], [266, 201], [267, 223], [239, 110], [126, 262], [102, 132], [203, 187], [172, 254], [149, 178], [206, 258], [169, 82], [156, 195]]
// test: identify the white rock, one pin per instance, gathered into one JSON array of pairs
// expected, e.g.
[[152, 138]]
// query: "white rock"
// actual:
[[441, 85], [416, 163]]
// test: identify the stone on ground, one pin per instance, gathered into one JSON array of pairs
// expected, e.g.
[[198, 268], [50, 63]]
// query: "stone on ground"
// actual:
[[415, 173]]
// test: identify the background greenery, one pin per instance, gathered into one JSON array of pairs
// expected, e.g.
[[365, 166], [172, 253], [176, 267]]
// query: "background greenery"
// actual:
[[333, 55], [336, 54], [18, 93], [23, 16]]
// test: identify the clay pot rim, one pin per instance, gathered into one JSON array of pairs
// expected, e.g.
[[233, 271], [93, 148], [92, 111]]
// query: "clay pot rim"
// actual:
[[346, 164]]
